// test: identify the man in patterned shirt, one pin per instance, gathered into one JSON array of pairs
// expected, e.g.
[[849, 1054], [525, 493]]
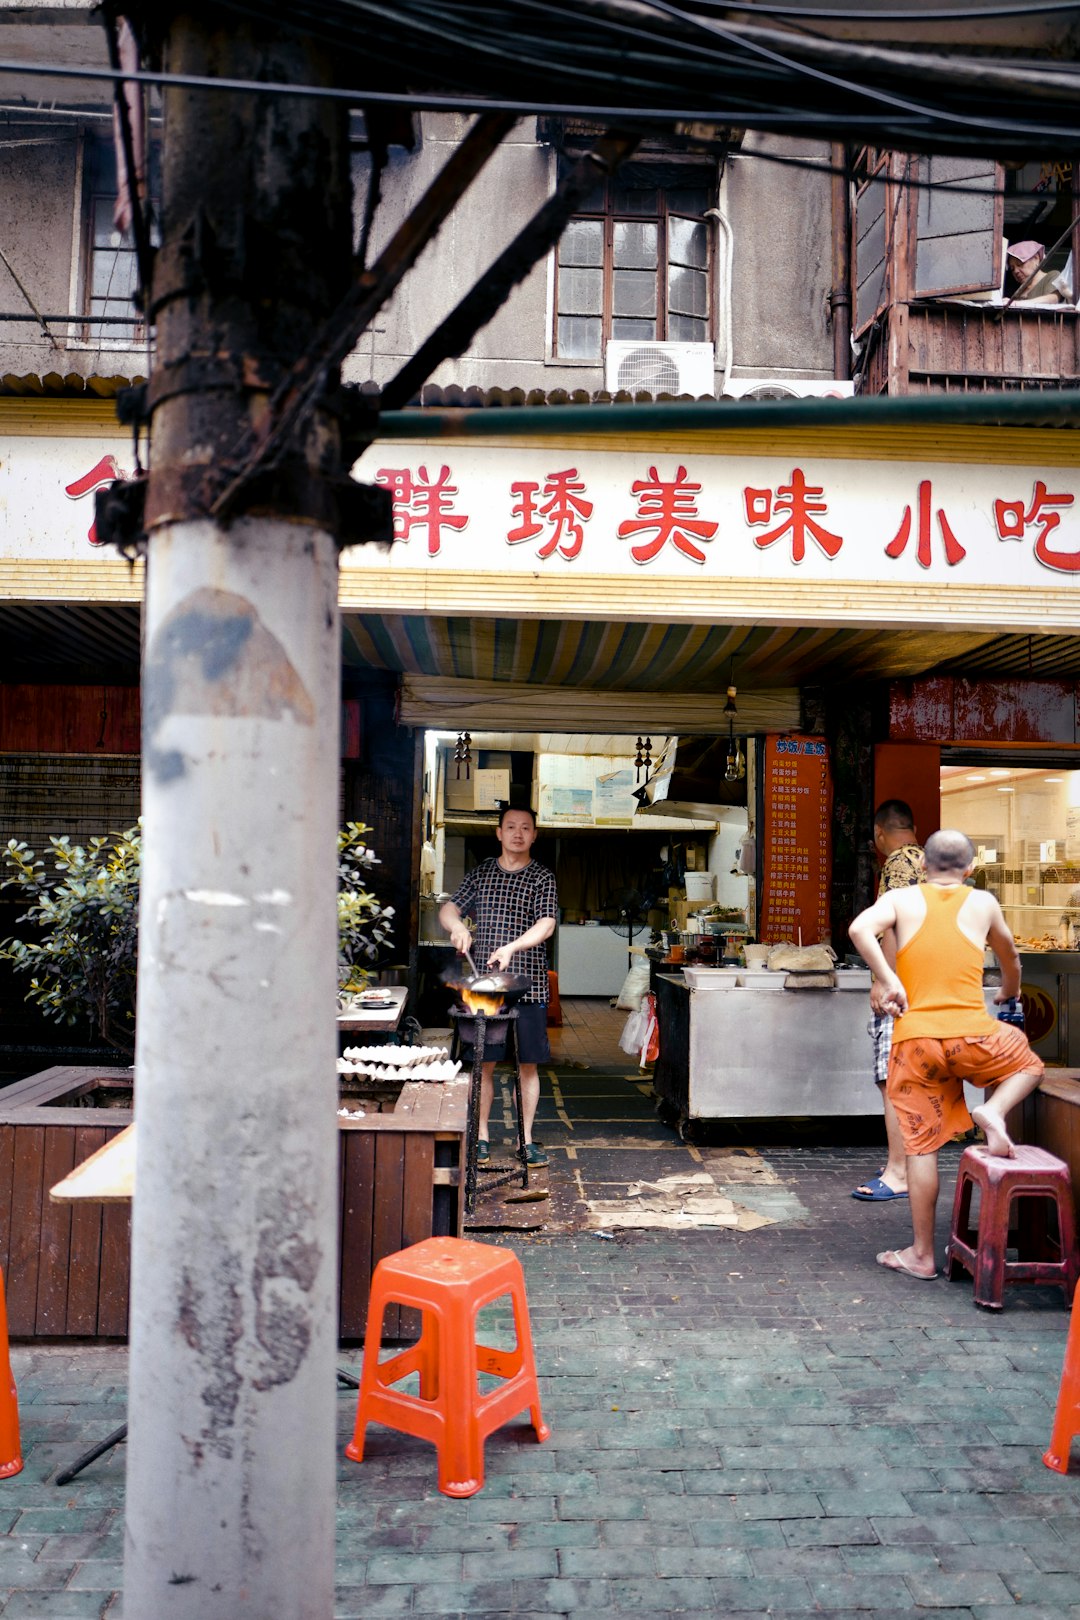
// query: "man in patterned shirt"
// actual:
[[898, 849], [512, 901]]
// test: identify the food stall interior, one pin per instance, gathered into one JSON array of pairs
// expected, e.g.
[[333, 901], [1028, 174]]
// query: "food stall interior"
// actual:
[[628, 871]]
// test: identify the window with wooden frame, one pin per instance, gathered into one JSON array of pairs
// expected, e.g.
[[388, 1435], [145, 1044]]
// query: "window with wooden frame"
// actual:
[[110, 271], [938, 227], [636, 261]]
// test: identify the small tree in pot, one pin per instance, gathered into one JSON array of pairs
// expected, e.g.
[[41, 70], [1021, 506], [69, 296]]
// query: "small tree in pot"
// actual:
[[85, 910]]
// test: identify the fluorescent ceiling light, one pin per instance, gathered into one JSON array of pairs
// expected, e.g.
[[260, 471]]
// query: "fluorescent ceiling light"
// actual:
[[1006, 790], [976, 778]]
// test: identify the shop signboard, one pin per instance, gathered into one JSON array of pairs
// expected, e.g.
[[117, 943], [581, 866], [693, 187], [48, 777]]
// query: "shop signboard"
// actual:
[[698, 515], [795, 840], [822, 527]]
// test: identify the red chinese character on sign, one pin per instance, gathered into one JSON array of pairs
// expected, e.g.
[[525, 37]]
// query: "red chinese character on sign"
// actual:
[[802, 503], [563, 509], [670, 510], [102, 472], [421, 504], [954, 551], [1012, 521]]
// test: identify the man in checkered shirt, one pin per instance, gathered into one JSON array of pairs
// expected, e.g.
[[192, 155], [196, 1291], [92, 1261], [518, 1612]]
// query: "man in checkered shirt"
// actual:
[[512, 901]]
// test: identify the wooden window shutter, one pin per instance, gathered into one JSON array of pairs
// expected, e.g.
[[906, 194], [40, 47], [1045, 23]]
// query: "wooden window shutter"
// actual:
[[958, 232]]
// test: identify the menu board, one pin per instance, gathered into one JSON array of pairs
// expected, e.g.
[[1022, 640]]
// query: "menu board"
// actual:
[[795, 842]]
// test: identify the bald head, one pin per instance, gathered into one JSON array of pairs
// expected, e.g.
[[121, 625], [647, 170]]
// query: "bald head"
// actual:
[[948, 854]]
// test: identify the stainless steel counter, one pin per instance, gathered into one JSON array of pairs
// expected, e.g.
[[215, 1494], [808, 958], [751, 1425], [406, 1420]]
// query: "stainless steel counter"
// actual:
[[749, 1053]]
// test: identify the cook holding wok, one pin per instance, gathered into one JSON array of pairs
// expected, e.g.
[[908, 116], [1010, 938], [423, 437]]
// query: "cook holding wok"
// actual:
[[513, 904]]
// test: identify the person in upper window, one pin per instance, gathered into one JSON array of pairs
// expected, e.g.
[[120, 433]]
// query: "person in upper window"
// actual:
[[1022, 260], [514, 905]]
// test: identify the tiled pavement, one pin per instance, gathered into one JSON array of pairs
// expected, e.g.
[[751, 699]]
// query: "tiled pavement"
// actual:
[[743, 1423]]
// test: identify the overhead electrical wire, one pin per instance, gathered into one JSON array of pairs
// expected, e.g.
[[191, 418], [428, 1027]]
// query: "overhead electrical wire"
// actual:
[[736, 113]]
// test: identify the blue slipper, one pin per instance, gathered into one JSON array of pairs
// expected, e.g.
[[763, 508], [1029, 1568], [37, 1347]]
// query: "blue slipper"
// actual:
[[876, 1191]]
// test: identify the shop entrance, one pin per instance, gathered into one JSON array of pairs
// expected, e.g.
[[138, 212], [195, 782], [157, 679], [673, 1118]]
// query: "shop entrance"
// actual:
[[632, 880]]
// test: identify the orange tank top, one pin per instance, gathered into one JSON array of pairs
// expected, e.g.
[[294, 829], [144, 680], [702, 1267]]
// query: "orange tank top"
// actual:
[[942, 972]]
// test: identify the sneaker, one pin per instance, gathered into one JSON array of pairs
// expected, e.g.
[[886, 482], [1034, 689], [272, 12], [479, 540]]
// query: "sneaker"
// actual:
[[535, 1155], [483, 1151]]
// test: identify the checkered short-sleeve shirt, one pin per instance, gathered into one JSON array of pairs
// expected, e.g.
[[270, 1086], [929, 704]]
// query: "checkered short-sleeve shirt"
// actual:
[[503, 905]]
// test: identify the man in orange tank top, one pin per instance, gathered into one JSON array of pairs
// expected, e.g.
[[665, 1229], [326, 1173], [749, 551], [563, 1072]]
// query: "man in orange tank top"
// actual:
[[943, 1034]]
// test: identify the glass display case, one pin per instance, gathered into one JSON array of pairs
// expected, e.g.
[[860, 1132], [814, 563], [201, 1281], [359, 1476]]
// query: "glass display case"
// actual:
[[1025, 825]]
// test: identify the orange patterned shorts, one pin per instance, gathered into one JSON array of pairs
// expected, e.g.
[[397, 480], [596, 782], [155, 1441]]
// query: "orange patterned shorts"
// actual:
[[926, 1077]]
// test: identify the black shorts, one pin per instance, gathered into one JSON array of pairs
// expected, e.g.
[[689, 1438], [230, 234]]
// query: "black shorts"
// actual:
[[530, 1034]]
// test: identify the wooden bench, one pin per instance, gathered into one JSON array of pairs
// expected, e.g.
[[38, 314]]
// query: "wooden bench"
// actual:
[[67, 1265], [1050, 1119]]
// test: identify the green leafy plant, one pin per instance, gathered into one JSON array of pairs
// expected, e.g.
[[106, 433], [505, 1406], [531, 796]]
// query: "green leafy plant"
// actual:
[[364, 924], [84, 911]]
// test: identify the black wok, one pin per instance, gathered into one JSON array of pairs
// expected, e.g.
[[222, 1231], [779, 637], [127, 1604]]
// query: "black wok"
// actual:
[[508, 987]]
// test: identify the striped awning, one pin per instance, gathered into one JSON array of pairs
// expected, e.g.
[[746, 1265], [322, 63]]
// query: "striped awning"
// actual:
[[667, 657]]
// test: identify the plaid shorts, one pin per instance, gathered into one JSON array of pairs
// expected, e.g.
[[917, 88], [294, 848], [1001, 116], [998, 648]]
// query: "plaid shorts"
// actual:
[[879, 1030]]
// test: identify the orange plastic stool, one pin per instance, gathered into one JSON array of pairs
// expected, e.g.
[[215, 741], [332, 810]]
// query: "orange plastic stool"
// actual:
[[449, 1280], [10, 1453], [1067, 1412], [1033, 1175]]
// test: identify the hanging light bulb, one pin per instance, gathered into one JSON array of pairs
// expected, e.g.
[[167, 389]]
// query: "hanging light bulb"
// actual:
[[732, 692]]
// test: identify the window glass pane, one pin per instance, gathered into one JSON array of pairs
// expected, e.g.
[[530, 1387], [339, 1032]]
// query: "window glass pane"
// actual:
[[634, 292], [635, 246], [579, 339], [685, 329], [639, 200], [688, 242], [687, 291], [582, 242], [638, 331], [105, 232], [113, 275], [688, 199], [581, 292]]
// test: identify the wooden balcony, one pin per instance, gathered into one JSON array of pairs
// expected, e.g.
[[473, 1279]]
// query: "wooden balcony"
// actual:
[[936, 347]]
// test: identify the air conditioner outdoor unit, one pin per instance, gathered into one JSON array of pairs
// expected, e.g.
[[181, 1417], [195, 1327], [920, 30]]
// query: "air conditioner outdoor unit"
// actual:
[[788, 388], [660, 368]]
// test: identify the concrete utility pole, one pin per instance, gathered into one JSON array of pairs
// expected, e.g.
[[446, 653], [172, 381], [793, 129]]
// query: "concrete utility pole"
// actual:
[[230, 1483]]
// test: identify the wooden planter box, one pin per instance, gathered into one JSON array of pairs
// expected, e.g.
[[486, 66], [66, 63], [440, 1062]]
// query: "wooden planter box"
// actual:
[[66, 1266]]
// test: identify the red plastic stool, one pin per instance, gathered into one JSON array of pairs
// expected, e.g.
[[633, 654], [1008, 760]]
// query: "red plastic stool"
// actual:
[[1043, 1258], [10, 1453], [449, 1280]]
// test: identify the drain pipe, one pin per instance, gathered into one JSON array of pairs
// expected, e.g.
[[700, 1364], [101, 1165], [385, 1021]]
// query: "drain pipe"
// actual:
[[724, 324], [840, 296]]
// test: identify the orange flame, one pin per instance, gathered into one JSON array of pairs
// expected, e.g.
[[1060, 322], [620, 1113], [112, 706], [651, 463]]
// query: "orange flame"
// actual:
[[490, 1005]]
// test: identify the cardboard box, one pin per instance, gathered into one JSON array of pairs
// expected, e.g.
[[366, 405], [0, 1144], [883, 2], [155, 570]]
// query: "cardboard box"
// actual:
[[483, 790]]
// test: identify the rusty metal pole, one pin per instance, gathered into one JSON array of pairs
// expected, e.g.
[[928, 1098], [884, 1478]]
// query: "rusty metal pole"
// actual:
[[230, 1473]]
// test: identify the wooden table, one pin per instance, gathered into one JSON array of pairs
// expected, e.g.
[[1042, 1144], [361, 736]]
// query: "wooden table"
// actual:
[[377, 1020]]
